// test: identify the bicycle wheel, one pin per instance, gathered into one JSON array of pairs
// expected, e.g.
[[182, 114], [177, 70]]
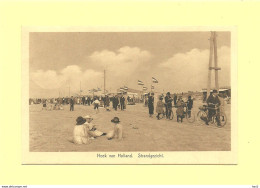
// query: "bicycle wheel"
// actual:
[[161, 116], [222, 120], [171, 115], [190, 117], [201, 117]]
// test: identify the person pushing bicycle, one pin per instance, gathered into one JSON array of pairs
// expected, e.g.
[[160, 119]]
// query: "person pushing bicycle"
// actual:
[[213, 104]]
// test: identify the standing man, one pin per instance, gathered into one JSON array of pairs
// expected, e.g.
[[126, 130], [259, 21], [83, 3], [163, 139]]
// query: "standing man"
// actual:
[[71, 103], [189, 106], [151, 104], [213, 102], [116, 102], [83, 100], [122, 102], [175, 99], [168, 103]]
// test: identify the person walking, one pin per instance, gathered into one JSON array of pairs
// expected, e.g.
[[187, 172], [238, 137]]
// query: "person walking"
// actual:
[[96, 104], [71, 103], [151, 104]]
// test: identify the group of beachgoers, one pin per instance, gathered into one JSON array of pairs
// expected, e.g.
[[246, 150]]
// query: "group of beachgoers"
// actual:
[[165, 107], [85, 130]]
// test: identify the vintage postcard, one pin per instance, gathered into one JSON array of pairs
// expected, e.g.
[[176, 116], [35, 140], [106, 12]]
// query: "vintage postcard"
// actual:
[[129, 95]]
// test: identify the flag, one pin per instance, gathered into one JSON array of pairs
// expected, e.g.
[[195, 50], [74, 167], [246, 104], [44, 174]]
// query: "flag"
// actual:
[[140, 82], [154, 80], [144, 88], [152, 87]]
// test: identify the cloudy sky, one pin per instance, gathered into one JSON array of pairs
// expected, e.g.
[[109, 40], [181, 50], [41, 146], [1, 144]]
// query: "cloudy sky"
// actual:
[[178, 60]]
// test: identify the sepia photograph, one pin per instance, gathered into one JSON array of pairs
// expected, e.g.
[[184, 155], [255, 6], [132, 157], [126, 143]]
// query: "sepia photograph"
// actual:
[[129, 91]]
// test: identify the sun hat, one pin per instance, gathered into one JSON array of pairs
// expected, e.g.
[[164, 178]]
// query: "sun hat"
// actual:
[[88, 117], [80, 120], [115, 120]]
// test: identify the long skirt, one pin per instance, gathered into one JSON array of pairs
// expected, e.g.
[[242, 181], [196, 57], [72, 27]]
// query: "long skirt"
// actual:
[[151, 109]]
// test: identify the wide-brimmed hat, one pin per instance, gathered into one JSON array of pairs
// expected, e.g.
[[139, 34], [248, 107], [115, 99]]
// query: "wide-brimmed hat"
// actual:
[[88, 117], [80, 120], [115, 120]]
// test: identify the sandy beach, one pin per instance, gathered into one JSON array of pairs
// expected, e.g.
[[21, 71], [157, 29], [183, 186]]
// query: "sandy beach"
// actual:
[[51, 131]]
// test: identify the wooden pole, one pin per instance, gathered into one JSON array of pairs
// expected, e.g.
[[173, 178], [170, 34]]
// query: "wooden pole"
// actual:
[[104, 81], [216, 61], [210, 63]]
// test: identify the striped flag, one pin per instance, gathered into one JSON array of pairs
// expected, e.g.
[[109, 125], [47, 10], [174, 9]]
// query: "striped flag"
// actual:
[[154, 80], [144, 88], [140, 82]]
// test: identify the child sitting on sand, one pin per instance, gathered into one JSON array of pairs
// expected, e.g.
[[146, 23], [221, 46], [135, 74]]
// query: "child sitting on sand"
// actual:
[[117, 133], [91, 129], [80, 135]]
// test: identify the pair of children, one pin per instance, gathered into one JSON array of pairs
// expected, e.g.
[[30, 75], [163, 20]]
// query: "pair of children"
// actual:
[[85, 130]]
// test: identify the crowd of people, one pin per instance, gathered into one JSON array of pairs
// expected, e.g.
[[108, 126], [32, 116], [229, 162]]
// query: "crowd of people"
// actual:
[[118, 102], [215, 103]]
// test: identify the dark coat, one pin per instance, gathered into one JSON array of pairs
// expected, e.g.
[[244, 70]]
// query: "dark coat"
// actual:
[[189, 103], [71, 101], [213, 100]]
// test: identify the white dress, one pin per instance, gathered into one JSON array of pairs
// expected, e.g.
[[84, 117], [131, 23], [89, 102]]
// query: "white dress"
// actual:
[[80, 135], [116, 133]]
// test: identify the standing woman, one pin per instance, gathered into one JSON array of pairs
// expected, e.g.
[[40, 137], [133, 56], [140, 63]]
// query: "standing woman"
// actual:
[[159, 107], [180, 109], [151, 104]]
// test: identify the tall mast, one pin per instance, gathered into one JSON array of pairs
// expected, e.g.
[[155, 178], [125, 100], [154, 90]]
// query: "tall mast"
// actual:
[[216, 61], [104, 81], [210, 63]]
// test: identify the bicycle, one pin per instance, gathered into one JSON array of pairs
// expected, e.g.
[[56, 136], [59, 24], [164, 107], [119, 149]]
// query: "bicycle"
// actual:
[[170, 114], [202, 116]]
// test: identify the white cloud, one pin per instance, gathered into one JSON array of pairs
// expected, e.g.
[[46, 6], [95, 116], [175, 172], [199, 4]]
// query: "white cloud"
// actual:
[[189, 71], [181, 72], [123, 62], [60, 81]]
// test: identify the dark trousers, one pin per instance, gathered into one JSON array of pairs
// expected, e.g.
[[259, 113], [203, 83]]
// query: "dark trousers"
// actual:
[[72, 107], [189, 112], [167, 111], [212, 112], [122, 106]]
